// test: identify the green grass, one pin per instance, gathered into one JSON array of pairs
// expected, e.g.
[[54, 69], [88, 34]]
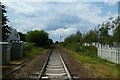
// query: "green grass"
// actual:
[[32, 51], [99, 67]]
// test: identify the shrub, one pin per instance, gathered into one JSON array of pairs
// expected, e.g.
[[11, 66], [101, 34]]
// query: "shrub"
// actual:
[[29, 50]]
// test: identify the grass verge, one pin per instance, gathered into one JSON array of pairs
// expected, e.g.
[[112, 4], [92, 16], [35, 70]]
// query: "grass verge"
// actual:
[[99, 67], [29, 50]]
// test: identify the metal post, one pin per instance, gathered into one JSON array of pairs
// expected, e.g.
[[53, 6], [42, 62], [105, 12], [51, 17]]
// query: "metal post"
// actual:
[[0, 61], [118, 59], [60, 38], [118, 54], [0, 41], [9, 51]]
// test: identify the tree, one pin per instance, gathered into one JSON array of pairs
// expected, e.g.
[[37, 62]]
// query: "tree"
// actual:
[[22, 36], [50, 41], [39, 37], [91, 36], [114, 25], [78, 37], [116, 33], [70, 39], [105, 38], [5, 28], [56, 42], [74, 38]]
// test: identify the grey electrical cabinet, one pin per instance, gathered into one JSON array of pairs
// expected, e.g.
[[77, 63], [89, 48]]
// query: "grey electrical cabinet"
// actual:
[[5, 52], [16, 50]]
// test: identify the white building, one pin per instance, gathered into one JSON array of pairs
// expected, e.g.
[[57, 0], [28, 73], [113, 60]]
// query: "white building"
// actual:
[[13, 36]]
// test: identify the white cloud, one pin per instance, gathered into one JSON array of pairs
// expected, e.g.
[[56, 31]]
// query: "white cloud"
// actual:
[[20, 7], [40, 1], [90, 13], [24, 26], [62, 32], [111, 2], [85, 11], [57, 0]]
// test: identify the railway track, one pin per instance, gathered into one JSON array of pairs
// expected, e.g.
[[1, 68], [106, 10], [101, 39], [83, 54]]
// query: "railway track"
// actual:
[[54, 68], [50, 66]]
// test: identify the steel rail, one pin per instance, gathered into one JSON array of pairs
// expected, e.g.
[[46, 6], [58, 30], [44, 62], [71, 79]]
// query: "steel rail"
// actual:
[[66, 69], [14, 70], [44, 66]]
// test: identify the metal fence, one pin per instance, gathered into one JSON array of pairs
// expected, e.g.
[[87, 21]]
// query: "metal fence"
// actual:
[[10, 51], [111, 54]]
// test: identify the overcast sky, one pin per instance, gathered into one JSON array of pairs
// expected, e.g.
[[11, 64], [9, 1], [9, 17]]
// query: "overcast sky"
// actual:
[[59, 18]]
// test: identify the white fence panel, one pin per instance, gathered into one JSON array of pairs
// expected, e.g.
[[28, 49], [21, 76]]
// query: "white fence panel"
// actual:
[[110, 54]]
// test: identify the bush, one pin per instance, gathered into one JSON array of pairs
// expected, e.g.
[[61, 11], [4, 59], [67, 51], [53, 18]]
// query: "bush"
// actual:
[[39, 37], [91, 50], [74, 47], [29, 50], [88, 50]]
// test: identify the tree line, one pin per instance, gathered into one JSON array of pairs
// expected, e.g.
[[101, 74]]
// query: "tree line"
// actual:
[[101, 34]]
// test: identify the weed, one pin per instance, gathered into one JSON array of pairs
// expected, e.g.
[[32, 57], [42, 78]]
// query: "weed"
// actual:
[[87, 55], [32, 51]]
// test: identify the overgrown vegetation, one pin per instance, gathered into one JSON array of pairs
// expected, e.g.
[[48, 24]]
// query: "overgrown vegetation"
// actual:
[[80, 48], [87, 55], [29, 50]]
